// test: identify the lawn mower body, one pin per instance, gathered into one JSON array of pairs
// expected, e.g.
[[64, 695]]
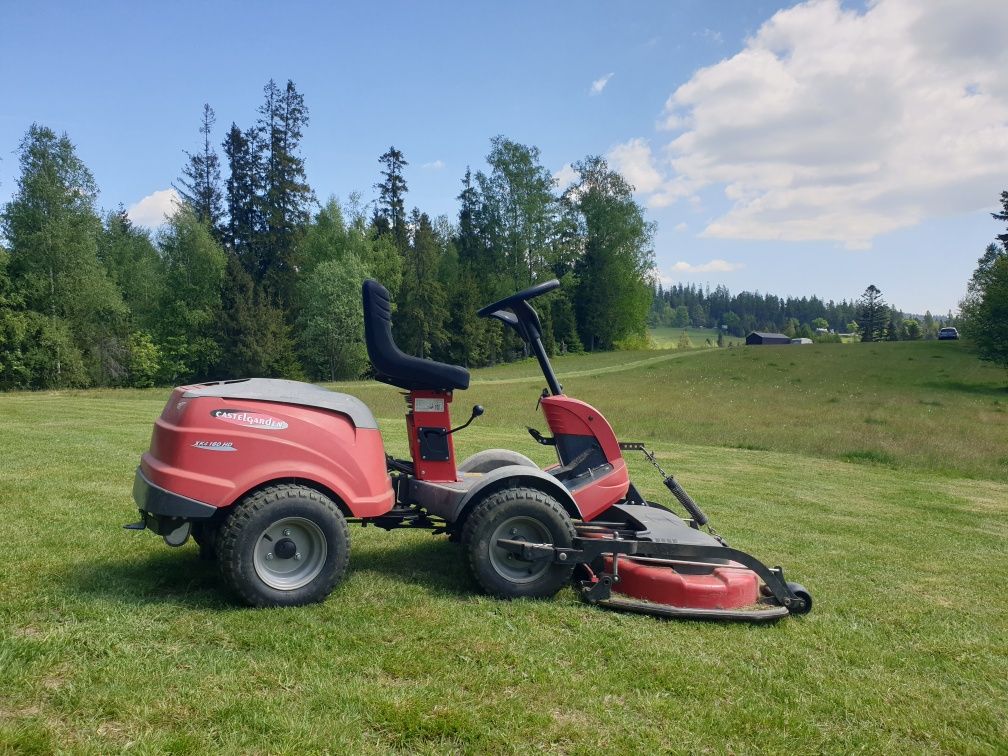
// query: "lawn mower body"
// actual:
[[265, 474], [216, 442]]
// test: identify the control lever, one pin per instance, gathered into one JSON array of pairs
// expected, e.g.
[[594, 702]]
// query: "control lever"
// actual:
[[540, 438], [477, 410]]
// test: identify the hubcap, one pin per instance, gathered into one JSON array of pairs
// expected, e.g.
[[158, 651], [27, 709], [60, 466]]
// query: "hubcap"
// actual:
[[290, 553], [511, 566]]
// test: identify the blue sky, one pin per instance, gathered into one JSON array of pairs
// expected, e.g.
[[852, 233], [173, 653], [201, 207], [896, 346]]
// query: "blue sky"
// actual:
[[809, 149]]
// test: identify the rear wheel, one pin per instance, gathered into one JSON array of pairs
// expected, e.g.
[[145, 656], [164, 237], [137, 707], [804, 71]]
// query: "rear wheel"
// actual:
[[519, 514], [286, 545]]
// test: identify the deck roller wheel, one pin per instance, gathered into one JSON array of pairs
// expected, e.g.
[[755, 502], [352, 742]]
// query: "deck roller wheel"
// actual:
[[801, 592], [520, 514]]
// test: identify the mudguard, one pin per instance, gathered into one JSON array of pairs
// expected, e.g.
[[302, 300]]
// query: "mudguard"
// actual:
[[450, 501], [491, 459]]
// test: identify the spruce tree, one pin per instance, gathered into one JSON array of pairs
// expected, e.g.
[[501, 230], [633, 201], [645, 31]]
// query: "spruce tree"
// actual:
[[255, 339], [200, 183], [468, 241], [984, 311], [287, 197], [873, 314], [422, 312], [1003, 216], [243, 191], [390, 213]]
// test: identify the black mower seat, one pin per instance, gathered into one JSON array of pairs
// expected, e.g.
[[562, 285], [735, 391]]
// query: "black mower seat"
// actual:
[[390, 364]]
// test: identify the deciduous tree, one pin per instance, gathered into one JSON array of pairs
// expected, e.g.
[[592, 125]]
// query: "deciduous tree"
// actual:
[[134, 265], [518, 193], [188, 331], [331, 320], [984, 311], [53, 231], [614, 291]]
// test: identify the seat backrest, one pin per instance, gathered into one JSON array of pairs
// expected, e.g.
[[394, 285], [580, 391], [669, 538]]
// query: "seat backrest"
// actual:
[[377, 323], [390, 364]]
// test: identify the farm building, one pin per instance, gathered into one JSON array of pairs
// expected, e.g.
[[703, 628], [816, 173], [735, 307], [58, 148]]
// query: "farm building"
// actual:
[[801, 341], [757, 337]]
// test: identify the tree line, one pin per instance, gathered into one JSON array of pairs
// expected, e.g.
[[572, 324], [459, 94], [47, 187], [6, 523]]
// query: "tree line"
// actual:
[[983, 312], [685, 305], [252, 275]]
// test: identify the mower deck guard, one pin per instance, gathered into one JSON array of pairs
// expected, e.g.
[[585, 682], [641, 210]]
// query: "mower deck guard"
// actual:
[[669, 568]]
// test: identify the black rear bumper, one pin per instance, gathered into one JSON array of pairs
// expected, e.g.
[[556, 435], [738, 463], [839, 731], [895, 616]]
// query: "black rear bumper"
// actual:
[[154, 500]]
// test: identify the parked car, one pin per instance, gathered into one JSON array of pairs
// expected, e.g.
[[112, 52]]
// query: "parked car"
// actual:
[[948, 333]]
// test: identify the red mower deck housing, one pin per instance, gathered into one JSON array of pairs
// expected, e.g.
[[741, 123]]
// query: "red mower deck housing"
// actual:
[[731, 587]]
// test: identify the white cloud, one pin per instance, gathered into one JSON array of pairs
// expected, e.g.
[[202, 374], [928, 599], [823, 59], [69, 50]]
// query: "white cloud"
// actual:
[[634, 160], [681, 226], [599, 84], [436, 165], [565, 176], [713, 266], [155, 208], [835, 124]]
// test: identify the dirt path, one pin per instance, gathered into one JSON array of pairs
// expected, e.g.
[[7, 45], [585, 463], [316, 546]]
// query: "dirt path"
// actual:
[[594, 371]]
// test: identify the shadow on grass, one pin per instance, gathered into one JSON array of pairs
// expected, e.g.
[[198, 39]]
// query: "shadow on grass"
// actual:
[[171, 576], [980, 389], [161, 577], [436, 565]]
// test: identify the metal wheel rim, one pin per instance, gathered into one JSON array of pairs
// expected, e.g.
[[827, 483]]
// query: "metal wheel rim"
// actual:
[[298, 570], [509, 565]]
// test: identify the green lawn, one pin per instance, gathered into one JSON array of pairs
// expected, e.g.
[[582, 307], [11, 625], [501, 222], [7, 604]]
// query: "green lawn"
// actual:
[[876, 474]]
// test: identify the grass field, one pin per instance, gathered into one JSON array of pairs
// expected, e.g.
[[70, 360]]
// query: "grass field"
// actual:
[[876, 474]]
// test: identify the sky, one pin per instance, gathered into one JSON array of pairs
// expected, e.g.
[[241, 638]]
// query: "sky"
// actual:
[[796, 149]]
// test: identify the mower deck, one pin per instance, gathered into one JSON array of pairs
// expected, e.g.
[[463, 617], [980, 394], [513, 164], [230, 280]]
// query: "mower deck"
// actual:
[[656, 563]]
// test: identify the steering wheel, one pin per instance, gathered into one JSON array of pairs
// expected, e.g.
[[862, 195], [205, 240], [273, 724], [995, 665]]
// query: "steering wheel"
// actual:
[[522, 296]]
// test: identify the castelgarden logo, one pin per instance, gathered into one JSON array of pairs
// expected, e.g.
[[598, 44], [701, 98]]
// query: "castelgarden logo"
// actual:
[[222, 446], [249, 419]]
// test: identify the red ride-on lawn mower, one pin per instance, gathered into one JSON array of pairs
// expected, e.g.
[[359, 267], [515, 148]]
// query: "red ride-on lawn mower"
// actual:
[[265, 474]]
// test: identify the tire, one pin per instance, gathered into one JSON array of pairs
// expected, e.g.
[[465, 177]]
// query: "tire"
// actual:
[[205, 534], [286, 545], [521, 514]]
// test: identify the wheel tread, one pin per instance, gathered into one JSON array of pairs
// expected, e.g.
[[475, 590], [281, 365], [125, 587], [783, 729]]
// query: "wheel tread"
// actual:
[[486, 509], [243, 513]]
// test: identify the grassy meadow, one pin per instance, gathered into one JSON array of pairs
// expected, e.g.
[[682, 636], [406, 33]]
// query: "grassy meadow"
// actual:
[[667, 337], [877, 474]]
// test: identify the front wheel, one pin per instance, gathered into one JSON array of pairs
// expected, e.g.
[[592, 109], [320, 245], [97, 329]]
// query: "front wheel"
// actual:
[[518, 514], [285, 545]]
